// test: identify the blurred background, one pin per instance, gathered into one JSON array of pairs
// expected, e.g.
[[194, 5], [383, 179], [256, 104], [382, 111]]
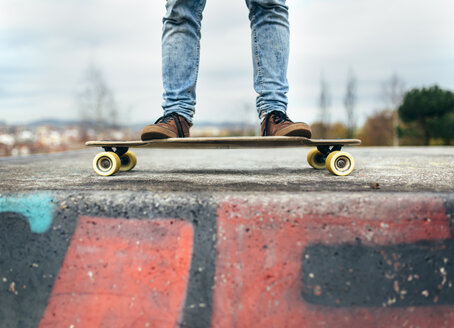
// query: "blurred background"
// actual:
[[77, 70]]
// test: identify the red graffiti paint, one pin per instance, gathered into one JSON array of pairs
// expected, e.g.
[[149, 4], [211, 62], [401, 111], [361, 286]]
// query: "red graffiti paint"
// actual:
[[122, 273], [260, 246]]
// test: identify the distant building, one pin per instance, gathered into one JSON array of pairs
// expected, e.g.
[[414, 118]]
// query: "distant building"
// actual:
[[21, 150]]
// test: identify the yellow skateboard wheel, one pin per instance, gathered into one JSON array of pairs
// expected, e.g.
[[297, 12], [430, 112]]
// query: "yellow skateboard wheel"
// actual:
[[340, 163], [106, 163], [315, 159], [128, 161]]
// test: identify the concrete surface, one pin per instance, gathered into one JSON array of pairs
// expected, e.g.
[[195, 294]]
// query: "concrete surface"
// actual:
[[228, 238], [415, 169]]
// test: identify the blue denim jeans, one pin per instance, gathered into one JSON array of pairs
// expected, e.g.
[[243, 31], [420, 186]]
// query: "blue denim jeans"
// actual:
[[181, 53]]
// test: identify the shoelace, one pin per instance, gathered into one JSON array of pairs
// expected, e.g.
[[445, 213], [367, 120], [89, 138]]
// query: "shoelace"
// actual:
[[176, 118], [278, 117]]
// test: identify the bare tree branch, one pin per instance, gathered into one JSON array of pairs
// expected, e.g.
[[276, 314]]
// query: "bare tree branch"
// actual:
[[96, 102], [350, 102], [324, 103], [393, 91]]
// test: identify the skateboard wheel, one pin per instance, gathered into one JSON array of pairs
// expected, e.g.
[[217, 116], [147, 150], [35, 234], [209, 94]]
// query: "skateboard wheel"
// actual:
[[128, 161], [316, 159], [106, 163], [340, 163]]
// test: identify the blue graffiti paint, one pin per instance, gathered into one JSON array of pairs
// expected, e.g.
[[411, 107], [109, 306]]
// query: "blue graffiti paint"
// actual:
[[37, 208]]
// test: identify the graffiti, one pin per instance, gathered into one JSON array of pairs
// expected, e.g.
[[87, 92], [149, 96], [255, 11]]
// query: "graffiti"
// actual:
[[136, 272], [37, 209], [391, 276], [283, 264], [233, 263], [31, 253]]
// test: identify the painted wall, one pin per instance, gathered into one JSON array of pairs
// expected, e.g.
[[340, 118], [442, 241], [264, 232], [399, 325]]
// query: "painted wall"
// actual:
[[134, 260]]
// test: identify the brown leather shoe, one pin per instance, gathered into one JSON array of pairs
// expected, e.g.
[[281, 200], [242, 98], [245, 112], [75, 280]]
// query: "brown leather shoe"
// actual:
[[168, 126], [277, 123]]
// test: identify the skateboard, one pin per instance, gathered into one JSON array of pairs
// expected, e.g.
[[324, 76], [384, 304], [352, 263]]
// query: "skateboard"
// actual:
[[326, 153]]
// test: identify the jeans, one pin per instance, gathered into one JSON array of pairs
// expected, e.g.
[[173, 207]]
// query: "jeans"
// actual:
[[181, 53]]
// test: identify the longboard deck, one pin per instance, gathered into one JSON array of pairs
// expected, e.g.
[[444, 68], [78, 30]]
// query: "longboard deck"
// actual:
[[224, 142], [117, 156]]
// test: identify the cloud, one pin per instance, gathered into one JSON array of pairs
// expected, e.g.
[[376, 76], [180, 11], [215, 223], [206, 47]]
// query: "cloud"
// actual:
[[47, 45], [375, 38]]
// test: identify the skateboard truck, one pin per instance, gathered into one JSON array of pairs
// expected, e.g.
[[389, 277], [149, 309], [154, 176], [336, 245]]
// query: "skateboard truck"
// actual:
[[120, 151], [326, 150]]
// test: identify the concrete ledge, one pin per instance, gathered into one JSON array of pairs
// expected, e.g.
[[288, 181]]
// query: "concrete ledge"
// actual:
[[208, 260]]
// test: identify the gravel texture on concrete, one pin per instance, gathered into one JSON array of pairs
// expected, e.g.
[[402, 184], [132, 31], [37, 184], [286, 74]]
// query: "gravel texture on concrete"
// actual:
[[404, 169]]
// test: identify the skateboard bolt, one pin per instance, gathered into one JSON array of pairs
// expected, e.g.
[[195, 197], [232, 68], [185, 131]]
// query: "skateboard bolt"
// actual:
[[105, 164], [341, 163]]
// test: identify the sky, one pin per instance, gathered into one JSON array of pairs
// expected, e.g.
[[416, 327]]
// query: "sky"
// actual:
[[46, 47]]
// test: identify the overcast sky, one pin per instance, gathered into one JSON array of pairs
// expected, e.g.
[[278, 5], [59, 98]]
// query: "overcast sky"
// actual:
[[46, 45]]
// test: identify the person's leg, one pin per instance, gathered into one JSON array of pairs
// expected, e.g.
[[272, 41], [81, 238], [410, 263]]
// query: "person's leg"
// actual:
[[270, 52], [180, 65], [180, 55]]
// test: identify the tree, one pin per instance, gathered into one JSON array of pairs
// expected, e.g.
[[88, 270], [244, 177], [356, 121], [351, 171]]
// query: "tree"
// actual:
[[349, 104], [431, 109], [378, 129], [96, 101], [335, 130], [324, 103], [443, 128], [393, 91]]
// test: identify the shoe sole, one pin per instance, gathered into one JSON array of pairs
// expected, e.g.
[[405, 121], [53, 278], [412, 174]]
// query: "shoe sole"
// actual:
[[295, 130], [156, 132]]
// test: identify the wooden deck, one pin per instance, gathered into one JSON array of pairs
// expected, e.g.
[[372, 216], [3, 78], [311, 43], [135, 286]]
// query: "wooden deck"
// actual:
[[224, 142]]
